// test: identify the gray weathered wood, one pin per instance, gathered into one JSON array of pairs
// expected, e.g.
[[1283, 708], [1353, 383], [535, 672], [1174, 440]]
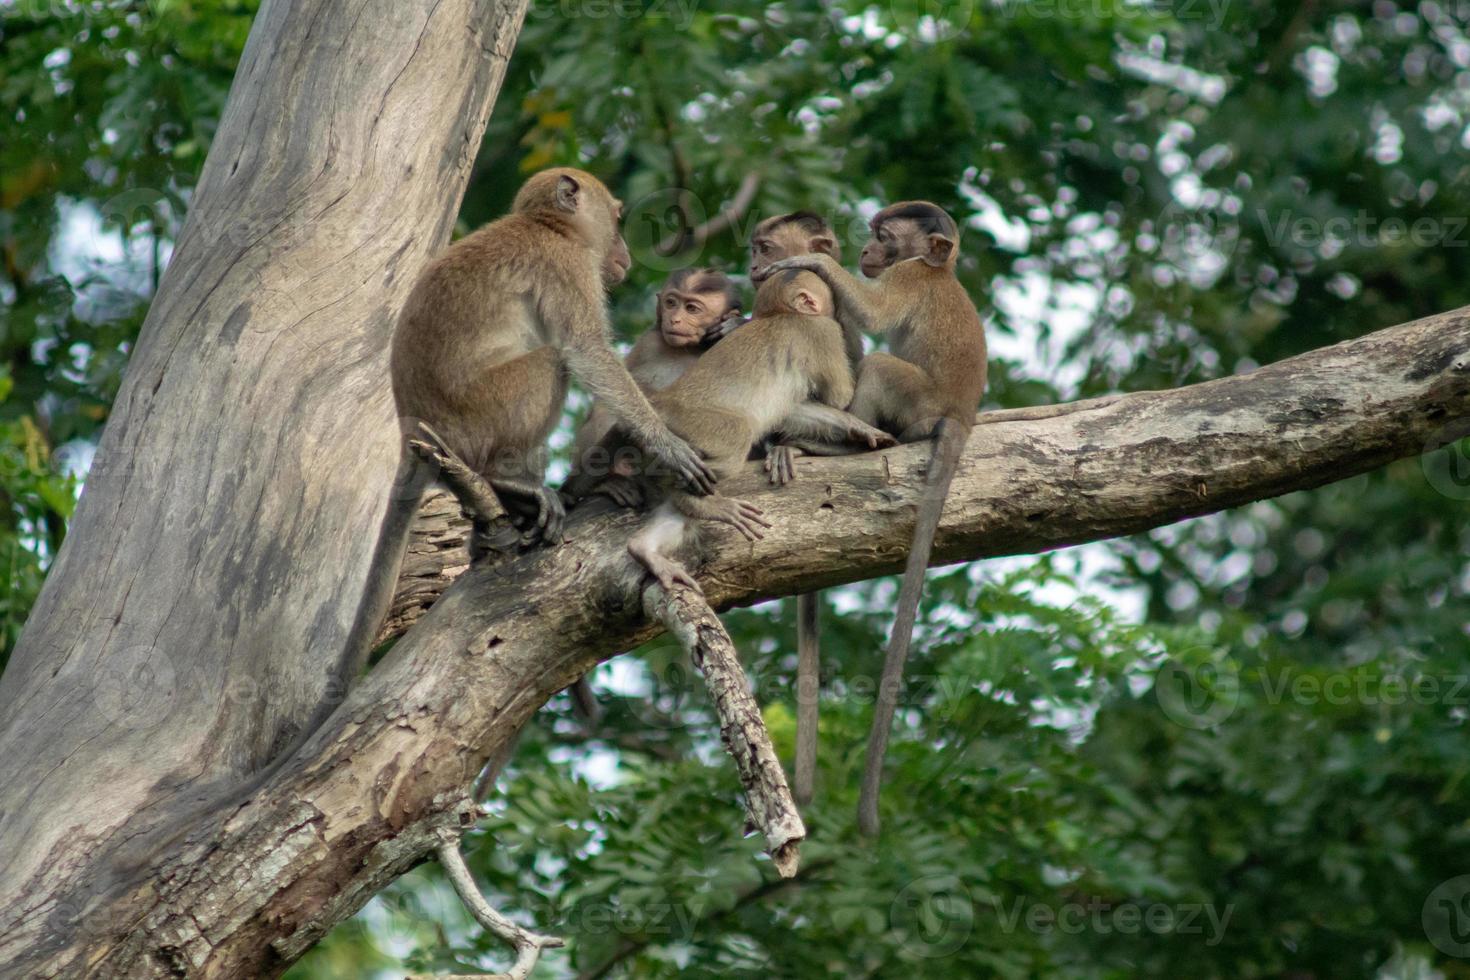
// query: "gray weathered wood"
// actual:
[[195, 623], [254, 885], [742, 729]]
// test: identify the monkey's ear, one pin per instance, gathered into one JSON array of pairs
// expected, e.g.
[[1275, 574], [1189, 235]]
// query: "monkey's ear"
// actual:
[[806, 302], [941, 247], [567, 189], [825, 244]]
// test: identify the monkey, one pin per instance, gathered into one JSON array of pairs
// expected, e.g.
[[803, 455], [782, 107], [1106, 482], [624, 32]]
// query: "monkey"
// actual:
[[786, 369], [773, 239], [691, 303], [928, 387], [495, 323]]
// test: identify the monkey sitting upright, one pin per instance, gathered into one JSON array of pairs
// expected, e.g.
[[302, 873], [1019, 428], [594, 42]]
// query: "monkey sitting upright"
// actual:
[[930, 386], [786, 369], [691, 304], [486, 339], [773, 239]]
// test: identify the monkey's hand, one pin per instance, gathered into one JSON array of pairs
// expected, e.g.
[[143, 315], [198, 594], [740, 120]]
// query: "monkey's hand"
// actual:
[[728, 324], [781, 463], [624, 490], [814, 262], [742, 515], [682, 460]]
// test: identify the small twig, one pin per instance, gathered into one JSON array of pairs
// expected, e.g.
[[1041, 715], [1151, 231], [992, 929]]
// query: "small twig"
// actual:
[[691, 621], [471, 489], [528, 945]]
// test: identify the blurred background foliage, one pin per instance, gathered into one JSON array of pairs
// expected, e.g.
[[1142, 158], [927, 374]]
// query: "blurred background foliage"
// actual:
[[1229, 748]]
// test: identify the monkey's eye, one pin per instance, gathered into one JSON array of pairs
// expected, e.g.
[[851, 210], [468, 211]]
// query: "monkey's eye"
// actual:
[[694, 308]]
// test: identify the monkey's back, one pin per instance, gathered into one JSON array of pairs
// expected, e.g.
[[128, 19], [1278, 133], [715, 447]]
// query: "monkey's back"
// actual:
[[761, 371], [473, 310], [943, 335]]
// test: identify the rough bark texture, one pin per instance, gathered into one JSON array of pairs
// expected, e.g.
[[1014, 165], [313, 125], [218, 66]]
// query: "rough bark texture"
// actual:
[[196, 621], [742, 729], [253, 885]]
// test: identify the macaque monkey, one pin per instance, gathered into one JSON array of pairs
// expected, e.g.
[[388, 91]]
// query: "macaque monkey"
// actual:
[[785, 369], [928, 387], [691, 303], [496, 322], [776, 238]]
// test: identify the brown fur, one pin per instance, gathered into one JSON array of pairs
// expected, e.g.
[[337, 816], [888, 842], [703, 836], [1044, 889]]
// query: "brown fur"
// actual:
[[495, 324], [750, 384], [928, 387], [661, 355]]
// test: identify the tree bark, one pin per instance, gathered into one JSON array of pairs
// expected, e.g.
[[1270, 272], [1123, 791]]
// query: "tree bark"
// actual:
[[197, 619], [254, 884]]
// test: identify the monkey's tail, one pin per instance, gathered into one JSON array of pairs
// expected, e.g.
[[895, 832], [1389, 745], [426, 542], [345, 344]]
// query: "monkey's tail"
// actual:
[[949, 444], [412, 479], [808, 663]]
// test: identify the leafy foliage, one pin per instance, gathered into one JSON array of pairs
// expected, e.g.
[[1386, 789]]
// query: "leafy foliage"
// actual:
[[1221, 749]]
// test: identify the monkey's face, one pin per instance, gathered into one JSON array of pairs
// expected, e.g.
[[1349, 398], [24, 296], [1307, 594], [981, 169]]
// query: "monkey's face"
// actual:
[[910, 230], [615, 267], [684, 318], [782, 241], [894, 240]]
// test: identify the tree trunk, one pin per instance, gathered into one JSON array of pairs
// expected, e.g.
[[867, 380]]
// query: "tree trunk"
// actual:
[[197, 619], [254, 884]]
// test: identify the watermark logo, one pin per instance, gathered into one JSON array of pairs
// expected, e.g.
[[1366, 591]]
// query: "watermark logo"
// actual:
[[1446, 917], [933, 915], [136, 687], [1197, 236], [656, 227], [1198, 693], [1446, 462]]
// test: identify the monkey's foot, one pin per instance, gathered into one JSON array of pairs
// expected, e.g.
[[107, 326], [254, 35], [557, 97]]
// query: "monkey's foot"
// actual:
[[661, 566], [873, 438], [551, 517], [742, 515], [781, 463]]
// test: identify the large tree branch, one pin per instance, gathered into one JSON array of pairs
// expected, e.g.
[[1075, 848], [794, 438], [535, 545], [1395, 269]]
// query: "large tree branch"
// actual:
[[253, 886], [199, 619]]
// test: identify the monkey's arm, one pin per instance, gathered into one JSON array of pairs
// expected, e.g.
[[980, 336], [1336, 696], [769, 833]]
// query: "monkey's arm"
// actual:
[[860, 305], [582, 342], [728, 324]]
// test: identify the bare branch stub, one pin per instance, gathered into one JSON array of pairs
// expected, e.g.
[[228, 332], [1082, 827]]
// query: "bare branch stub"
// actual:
[[691, 621]]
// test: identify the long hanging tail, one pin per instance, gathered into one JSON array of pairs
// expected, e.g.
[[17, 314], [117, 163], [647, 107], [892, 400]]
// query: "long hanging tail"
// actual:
[[949, 444], [808, 663]]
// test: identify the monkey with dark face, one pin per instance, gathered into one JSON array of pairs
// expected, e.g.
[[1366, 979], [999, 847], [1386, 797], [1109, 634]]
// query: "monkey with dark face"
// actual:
[[691, 303], [489, 334], [787, 368], [928, 387]]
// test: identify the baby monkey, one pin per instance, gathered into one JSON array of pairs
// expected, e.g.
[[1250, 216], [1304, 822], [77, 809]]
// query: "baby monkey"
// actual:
[[786, 370], [692, 303]]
